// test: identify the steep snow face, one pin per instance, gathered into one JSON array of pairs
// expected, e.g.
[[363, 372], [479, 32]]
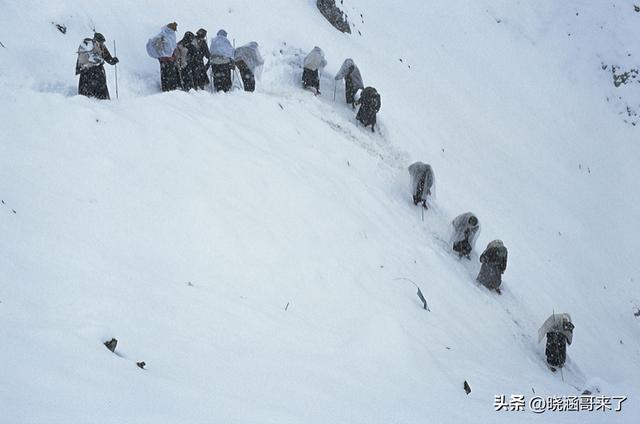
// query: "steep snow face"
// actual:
[[256, 250]]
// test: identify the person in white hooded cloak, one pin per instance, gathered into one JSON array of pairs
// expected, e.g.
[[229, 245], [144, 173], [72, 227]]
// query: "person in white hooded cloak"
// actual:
[[313, 63], [247, 60], [422, 182], [352, 80], [163, 47], [222, 61], [466, 229]]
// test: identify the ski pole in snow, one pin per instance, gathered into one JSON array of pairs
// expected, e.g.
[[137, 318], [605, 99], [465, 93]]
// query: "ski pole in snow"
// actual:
[[420, 295], [115, 66], [335, 85], [210, 68], [236, 73]]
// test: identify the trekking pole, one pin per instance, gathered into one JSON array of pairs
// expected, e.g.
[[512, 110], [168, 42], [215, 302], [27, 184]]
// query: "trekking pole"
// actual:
[[240, 82], [233, 80], [211, 81], [116, 67], [335, 85]]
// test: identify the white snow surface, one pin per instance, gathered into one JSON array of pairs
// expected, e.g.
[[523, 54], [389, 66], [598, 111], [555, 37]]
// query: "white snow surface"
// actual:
[[253, 248]]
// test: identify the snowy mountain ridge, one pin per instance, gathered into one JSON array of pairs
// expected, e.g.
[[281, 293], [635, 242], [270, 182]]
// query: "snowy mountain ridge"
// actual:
[[254, 249]]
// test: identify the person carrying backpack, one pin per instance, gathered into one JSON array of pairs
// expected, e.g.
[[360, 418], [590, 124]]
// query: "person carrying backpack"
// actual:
[[92, 53], [370, 104], [422, 182], [494, 263], [163, 47], [200, 77], [186, 59], [558, 329], [466, 229], [222, 65], [248, 59], [352, 80], [312, 65]]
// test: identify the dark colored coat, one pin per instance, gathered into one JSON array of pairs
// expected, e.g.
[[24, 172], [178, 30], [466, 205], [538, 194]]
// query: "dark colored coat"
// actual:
[[369, 106], [556, 349], [93, 80], [222, 76], [350, 87], [248, 79], [201, 79], [188, 64], [310, 79], [169, 75], [494, 263]]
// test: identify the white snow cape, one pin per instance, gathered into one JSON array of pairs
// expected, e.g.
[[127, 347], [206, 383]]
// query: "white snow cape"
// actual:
[[420, 170], [250, 55], [555, 323], [163, 44], [221, 47], [461, 225], [315, 59], [356, 78]]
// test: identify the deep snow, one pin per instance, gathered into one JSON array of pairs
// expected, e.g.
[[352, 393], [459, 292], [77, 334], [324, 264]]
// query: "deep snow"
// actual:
[[183, 224]]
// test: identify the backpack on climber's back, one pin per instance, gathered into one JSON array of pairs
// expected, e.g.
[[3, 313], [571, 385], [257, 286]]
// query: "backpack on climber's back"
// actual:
[[89, 55], [370, 106]]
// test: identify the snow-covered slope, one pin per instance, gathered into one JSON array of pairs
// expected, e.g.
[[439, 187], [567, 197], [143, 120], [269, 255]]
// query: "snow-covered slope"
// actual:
[[253, 249]]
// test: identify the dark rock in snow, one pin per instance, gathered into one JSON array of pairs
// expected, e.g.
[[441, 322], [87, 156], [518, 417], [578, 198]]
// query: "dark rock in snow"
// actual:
[[467, 388], [141, 364], [60, 27], [111, 344], [334, 15]]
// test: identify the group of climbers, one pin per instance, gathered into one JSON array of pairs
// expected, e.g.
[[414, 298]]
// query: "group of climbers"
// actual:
[[185, 64], [558, 328], [355, 92]]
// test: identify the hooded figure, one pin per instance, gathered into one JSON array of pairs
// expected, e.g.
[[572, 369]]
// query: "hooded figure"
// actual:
[[559, 331], [313, 63], [465, 232], [202, 52], [163, 47], [352, 80], [222, 55], [422, 182], [92, 53], [494, 263], [187, 60], [370, 104], [247, 59]]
